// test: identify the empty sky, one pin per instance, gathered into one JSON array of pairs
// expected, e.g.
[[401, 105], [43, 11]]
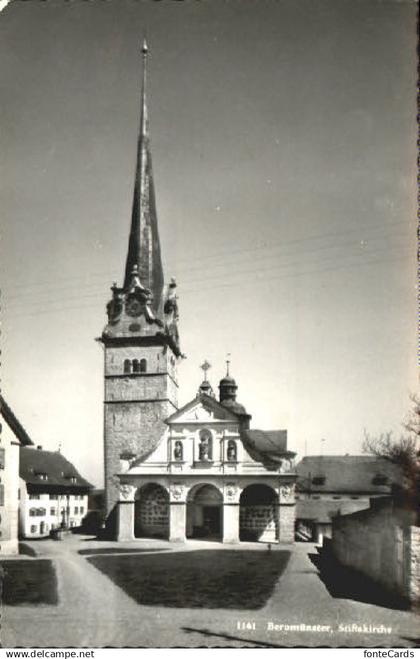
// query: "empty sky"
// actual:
[[283, 139]]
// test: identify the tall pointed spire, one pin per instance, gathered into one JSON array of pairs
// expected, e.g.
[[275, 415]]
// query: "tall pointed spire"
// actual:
[[144, 248]]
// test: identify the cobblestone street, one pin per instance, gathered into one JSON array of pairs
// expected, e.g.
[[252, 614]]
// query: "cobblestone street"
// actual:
[[94, 612]]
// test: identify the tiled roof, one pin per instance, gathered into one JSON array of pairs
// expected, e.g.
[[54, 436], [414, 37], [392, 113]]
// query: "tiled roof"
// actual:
[[266, 446], [35, 463], [346, 473], [13, 423]]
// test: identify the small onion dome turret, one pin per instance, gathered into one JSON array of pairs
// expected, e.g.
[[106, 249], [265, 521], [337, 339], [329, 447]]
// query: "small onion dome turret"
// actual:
[[227, 389], [206, 388]]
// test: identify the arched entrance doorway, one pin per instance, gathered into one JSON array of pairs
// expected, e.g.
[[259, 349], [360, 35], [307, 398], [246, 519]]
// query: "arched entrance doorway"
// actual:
[[204, 513], [258, 514], [151, 512]]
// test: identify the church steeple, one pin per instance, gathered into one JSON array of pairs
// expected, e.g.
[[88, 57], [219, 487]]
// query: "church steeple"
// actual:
[[144, 246], [140, 309]]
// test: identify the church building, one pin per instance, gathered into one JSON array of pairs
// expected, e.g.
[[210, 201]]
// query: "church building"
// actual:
[[197, 471]]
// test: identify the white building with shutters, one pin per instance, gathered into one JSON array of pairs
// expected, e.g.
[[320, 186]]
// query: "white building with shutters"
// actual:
[[12, 437]]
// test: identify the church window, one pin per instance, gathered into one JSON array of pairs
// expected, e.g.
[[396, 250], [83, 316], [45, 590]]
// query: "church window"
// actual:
[[231, 451], [127, 366], [136, 366], [143, 365]]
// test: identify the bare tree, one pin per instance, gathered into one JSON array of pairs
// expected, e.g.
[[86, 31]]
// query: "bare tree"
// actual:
[[403, 451]]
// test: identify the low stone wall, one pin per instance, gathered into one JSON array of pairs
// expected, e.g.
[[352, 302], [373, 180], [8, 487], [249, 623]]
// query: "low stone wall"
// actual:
[[414, 567], [152, 514], [259, 522], [383, 544]]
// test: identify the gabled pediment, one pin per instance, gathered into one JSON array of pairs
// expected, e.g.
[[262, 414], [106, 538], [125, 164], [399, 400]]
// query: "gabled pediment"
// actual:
[[202, 409]]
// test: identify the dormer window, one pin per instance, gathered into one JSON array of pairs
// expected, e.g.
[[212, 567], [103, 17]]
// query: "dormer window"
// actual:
[[380, 479], [318, 480], [42, 476]]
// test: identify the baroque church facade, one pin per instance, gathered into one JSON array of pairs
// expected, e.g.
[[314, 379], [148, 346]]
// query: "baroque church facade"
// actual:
[[197, 471]]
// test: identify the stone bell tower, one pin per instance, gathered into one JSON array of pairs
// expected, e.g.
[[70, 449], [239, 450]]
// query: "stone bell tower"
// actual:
[[141, 342]]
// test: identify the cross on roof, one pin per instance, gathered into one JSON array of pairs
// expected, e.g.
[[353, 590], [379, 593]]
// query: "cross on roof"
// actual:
[[227, 363], [205, 367]]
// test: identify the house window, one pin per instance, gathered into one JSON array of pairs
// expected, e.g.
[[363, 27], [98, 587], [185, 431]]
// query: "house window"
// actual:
[[34, 496], [316, 496], [354, 497], [336, 496], [318, 480], [2, 456], [143, 365], [76, 510], [380, 479], [53, 497], [32, 512], [34, 528], [82, 510], [127, 366], [52, 511], [41, 512], [1, 494], [136, 366]]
